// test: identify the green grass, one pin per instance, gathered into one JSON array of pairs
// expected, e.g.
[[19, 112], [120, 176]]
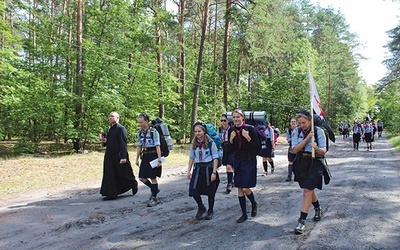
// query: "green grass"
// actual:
[[395, 140]]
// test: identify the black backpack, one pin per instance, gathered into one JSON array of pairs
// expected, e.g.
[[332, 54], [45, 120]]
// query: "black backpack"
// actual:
[[156, 124]]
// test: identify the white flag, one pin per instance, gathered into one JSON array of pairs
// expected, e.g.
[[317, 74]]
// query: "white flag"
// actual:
[[315, 101]]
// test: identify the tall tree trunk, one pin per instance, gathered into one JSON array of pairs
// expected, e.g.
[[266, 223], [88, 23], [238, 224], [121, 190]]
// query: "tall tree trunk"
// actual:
[[161, 110], [78, 87], [199, 65], [225, 53], [182, 67], [215, 40]]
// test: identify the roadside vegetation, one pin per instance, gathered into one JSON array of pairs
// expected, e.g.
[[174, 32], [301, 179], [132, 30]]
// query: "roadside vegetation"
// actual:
[[23, 172]]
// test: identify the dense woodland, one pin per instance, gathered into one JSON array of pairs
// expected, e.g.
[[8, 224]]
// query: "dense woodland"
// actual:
[[65, 64]]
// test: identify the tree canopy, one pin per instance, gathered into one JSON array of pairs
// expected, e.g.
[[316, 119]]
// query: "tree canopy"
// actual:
[[66, 64]]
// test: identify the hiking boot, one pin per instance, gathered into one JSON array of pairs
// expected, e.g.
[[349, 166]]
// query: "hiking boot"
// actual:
[[318, 213], [151, 196], [153, 202], [242, 218], [289, 177], [254, 210], [299, 229], [200, 213], [209, 215], [229, 188]]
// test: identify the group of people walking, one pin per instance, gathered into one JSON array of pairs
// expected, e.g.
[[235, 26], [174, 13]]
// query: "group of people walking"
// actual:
[[364, 131], [241, 145]]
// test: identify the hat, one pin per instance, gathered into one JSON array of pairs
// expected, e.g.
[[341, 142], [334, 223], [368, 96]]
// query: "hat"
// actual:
[[145, 116], [201, 124], [304, 112]]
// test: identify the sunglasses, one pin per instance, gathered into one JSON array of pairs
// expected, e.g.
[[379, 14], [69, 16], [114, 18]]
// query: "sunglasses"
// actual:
[[223, 120]]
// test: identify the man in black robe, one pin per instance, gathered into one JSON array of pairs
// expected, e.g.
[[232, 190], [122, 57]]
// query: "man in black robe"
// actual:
[[118, 176]]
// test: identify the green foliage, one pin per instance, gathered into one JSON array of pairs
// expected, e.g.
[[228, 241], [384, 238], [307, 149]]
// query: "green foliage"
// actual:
[[271, 44], [26, 147]]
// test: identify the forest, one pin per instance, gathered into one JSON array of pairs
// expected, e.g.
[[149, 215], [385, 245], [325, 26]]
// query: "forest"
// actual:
[[65, 65]]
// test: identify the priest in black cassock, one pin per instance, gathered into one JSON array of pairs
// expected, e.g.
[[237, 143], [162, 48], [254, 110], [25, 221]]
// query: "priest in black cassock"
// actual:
[[118, 176]]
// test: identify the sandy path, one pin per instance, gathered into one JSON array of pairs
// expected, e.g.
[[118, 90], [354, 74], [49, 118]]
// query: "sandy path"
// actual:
[[361, 211]]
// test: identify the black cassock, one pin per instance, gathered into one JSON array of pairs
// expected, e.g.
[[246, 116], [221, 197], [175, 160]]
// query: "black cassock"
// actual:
[[117, 178]]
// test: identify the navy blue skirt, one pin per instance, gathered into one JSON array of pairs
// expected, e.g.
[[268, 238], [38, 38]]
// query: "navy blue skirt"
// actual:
[[245, 173], [200, 182], [308, 171], [368, 137], [266, 149], [227, 157], [145, 170]]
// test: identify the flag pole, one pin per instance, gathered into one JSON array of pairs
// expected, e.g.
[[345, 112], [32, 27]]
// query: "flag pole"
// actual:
[[311, 110]]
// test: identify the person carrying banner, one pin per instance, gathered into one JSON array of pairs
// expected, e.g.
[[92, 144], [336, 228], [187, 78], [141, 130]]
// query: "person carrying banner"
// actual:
[[308, 170]]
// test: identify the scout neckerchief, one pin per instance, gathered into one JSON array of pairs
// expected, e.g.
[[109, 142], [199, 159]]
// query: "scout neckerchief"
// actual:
[[144, 133], [305, 134], [238, 131], [200, 145], [225, 131]]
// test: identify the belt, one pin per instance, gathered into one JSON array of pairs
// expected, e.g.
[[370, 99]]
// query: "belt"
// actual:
[[149, 150]]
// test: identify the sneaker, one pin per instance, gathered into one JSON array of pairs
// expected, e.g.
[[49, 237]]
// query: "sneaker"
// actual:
[[153, 202], [200, 213], [299, 229], [289, 177], [209, 215], [242, 218], [318, 213], [254, 210], [272, 170], [151, 196], [229, 188]]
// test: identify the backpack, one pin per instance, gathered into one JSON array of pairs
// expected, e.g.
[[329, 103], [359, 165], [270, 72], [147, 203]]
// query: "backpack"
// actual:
[[324, 125], [262, 137], [214, 135], [165, 139]]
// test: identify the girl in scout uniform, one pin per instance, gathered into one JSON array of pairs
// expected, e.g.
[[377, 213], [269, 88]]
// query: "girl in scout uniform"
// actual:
[[291, 155], [149, 150], [227, 156], [204, 180], [308, 171], [357, 131], [368, 134], [267, 148], [245, 145]]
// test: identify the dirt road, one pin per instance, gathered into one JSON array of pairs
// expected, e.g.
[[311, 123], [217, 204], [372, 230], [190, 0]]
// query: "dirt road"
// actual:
[[361, 209]]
